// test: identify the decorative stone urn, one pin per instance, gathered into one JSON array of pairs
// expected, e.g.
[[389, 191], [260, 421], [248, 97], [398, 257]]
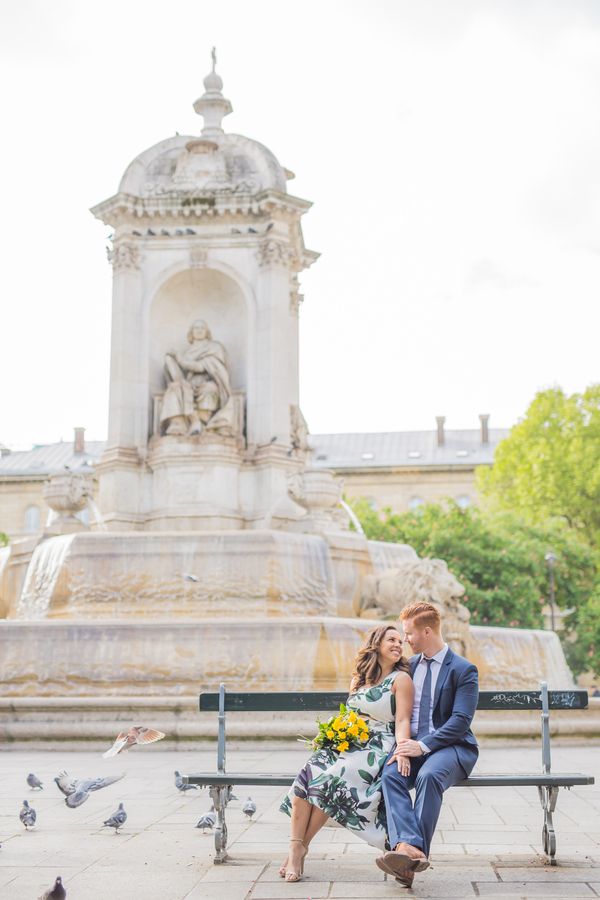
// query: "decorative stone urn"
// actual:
[[67, 493], [319, 492]]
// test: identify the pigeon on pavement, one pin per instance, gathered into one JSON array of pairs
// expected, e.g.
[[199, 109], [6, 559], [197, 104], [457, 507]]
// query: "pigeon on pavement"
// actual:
[[77, 790], [27, 815], [249, 807], [181, 786], [207, 820], [230, 795], [57, 892], [34, 782], [137, 734], [117, 820]]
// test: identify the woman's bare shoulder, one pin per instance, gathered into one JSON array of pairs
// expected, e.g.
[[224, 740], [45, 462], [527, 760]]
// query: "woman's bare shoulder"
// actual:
[[403, 681]]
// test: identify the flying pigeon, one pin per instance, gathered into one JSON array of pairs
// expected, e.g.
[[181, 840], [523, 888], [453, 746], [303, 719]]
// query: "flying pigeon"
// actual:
[[137, 734], [181, 786], [117, 820], [249, 807], [27, 815], [34, 782], [207, 820], [55, 893], [77, 790]]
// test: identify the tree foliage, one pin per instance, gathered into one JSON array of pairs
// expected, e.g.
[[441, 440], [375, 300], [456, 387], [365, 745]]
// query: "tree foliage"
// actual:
[[549, 465], [499, 557]]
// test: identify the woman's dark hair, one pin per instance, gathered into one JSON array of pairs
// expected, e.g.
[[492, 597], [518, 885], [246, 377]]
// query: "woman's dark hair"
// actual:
[[366, 667]]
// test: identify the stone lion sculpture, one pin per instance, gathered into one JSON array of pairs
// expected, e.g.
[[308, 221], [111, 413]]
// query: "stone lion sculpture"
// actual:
[[383, 596]]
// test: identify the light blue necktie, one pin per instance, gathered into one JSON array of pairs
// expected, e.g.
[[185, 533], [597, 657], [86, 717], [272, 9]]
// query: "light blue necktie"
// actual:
[[425, 704]]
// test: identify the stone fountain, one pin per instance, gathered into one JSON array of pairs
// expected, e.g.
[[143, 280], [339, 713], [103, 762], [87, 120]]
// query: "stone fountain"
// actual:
[[224, 555]]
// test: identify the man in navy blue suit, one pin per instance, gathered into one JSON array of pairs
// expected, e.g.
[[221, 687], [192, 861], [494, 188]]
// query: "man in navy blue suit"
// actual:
[[441, 749]]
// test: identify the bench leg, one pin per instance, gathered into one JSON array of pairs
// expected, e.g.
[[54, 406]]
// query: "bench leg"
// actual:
[[548, 798], [218, 796]]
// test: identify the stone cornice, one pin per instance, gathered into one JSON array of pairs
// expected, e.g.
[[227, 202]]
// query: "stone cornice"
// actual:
[[181, 206]]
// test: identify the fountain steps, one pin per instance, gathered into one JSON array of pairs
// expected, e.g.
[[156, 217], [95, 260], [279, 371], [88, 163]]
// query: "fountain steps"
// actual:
[[92, 722]]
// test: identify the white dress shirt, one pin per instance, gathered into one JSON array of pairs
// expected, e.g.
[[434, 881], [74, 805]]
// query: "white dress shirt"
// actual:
[[418, 679]]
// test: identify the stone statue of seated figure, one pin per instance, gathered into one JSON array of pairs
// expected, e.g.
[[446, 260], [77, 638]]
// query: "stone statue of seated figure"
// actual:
[[198, 394]]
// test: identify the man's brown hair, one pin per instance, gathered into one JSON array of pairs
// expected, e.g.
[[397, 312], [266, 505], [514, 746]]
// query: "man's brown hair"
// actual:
[[424, 615]]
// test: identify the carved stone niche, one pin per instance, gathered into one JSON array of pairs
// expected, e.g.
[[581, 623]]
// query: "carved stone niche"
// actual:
[[383, 596], [198, 399]]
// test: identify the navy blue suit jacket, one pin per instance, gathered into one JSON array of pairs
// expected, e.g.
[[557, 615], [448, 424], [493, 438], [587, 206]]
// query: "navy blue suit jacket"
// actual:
[[454, 705]]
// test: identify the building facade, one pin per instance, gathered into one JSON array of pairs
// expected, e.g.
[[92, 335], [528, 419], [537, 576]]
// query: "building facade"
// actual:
[[399, 470]]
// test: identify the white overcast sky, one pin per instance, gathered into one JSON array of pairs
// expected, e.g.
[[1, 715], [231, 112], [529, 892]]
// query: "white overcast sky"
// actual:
[[451, 150]]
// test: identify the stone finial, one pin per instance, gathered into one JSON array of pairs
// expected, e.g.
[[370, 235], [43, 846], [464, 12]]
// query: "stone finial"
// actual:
[[212, 105]]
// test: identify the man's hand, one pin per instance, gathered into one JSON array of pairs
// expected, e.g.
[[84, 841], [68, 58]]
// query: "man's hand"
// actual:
[[408, 748]]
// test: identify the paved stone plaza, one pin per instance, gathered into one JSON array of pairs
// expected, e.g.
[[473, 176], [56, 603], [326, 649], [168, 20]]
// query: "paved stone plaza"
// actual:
[[488, 841]]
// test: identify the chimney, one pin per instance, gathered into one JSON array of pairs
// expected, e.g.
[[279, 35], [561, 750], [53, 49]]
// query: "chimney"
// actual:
[[441, 438], [485, 429], [78, 440]]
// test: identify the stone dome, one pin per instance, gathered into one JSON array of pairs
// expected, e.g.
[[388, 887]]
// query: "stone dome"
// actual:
[[214, 162], [231, 163]]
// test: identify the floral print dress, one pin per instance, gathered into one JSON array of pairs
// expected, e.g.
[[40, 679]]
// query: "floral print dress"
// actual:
[[347, 785]]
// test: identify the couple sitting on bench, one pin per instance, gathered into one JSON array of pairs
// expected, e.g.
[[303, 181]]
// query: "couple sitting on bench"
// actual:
[[417, 714]]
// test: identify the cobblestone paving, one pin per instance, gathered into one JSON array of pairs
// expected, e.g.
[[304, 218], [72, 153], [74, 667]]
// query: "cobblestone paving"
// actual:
[[487, 842]]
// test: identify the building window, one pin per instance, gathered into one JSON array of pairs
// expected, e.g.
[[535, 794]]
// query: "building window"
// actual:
[[463, 500], [32, 519], [415, 502]]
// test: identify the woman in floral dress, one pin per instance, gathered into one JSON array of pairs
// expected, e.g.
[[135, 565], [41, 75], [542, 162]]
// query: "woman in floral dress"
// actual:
[[346, 786]]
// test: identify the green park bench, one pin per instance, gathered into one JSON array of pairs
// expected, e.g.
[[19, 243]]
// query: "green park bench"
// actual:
[[221, 782]]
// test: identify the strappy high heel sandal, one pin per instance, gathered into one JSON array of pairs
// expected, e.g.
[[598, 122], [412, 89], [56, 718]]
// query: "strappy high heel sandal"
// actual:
[[293, 877]]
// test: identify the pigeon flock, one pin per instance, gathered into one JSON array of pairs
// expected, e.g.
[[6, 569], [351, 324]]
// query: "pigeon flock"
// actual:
[[76, 791]]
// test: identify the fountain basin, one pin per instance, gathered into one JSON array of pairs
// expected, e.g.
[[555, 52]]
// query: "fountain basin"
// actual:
[[159, 658], [196, 574]]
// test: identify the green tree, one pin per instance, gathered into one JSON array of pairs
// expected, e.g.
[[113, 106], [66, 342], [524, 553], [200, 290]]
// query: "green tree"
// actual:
[[583, 652], [549, 465], [3, 539], [499, 558]]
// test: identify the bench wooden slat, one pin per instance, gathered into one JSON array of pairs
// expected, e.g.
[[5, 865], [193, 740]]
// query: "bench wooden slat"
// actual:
[[329, 701], [258, 780]]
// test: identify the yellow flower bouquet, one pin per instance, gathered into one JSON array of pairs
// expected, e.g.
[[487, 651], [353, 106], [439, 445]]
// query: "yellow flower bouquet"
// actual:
[[341, 732]]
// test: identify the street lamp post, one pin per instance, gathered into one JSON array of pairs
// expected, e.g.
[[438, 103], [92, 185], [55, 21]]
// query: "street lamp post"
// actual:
[[551, 562]]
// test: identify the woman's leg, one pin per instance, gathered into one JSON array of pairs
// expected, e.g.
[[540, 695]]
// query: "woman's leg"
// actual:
[[301, 814], [316, 820], [315, 823]]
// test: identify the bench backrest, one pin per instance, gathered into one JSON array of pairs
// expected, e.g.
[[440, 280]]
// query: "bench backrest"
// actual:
[[329, 701]]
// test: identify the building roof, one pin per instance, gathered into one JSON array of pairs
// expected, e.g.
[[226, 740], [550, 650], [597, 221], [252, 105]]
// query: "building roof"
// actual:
[[396, 449], [46, 458], [363, 450]]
